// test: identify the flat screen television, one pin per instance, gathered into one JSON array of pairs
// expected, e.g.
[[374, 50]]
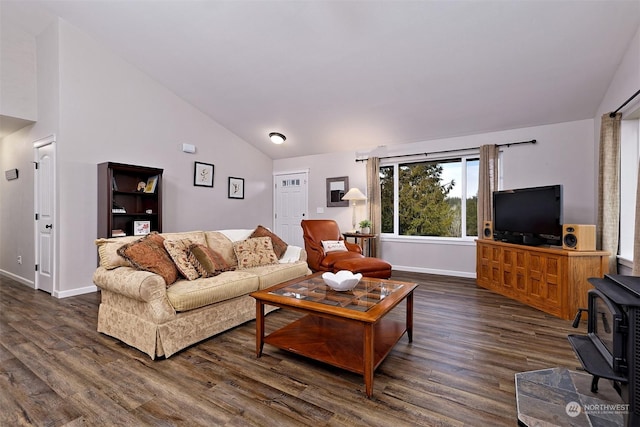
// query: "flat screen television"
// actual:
[[530, 216]]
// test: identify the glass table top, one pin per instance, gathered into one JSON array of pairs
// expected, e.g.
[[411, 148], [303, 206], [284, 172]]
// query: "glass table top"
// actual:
[[363, 297]]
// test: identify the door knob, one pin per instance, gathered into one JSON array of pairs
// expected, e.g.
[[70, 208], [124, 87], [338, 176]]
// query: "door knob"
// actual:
[[48, 226]]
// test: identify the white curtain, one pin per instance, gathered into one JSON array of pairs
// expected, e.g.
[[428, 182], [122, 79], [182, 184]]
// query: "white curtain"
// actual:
[[608, 227], [487, 183], [373, 200]]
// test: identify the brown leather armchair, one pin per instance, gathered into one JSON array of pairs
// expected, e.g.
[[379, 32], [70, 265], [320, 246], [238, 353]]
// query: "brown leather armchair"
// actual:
[[314, 232]]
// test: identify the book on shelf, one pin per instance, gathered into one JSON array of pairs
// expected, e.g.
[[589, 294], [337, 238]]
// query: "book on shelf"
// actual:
[[117, 209], [117, 233]]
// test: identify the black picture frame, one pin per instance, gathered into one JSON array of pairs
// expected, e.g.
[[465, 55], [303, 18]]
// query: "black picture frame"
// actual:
[[203, 174], [236, 188]]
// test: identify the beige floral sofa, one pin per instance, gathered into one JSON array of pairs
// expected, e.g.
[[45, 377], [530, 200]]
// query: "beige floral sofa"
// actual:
[[141, 308]]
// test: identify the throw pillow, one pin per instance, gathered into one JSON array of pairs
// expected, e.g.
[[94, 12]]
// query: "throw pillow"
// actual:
[[279, 245], [334, 246], [211, 262], [254, 252], [179, 252], [149, 254]]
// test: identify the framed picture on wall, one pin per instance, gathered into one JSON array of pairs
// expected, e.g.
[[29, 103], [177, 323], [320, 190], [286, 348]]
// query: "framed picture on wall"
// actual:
[[203, 174], [236, 188]]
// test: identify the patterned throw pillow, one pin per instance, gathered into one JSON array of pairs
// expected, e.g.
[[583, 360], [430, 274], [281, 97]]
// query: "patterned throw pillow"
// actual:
[[279, 245], [254, 252], [334, 246], [209, 262], [179, 252], [149, 254]]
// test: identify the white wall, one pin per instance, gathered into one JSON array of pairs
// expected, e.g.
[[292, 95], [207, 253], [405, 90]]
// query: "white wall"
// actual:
[[18, 71], [16, 151], [563, 155], [321, 167], [109, 111]]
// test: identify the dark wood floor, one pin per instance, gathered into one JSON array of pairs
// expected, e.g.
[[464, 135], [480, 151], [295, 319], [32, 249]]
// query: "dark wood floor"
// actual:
[[56, 370]]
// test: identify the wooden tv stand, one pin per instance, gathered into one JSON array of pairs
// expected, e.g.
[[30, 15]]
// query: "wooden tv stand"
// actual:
[[550, 279]]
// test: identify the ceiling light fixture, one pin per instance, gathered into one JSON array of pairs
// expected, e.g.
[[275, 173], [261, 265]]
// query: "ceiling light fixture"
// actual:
[[277, 138]]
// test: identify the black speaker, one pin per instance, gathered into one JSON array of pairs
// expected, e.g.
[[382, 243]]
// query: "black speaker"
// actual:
[[487, 230]]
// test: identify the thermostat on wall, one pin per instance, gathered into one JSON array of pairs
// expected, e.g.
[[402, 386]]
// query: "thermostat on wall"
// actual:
[[11, 174], [188, 148]]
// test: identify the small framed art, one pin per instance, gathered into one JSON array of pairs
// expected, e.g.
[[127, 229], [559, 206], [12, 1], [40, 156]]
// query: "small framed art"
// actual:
[[203, 175], [141, 228], [236, 188], [152, 182]]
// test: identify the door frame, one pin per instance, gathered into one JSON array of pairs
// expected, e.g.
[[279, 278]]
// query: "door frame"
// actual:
[[51, 139]]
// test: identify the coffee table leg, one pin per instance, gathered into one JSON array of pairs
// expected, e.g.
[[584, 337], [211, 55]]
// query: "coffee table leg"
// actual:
[[259, 328], [410, 316], [368, 358]]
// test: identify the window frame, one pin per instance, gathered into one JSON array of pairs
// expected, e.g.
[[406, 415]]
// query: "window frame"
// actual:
[[463, 157]]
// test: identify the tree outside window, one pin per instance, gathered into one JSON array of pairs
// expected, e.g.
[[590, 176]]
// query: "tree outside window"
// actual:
[[429, 198]]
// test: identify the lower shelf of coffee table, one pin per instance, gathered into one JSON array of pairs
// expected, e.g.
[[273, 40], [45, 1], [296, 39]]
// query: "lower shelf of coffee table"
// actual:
[[337, 342]]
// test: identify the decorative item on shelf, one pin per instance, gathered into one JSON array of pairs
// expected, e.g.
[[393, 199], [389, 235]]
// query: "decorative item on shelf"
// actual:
[[141, 228], [203, 174], [365, 226], [117, 233], [117, 208], [236, 188], [343, 280], [354, 195], [114, 184], [152, 182], [141, 186]]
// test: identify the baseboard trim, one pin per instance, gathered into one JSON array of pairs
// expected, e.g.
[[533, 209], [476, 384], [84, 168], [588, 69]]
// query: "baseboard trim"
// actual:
[[17, 278], [76, 291], [435, 271]]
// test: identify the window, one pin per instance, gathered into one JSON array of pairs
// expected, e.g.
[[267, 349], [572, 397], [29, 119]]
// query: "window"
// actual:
[[430, 198], [629, 155]]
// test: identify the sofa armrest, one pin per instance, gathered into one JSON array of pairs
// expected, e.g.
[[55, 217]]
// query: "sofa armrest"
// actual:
[[352, 247], [138, 285]]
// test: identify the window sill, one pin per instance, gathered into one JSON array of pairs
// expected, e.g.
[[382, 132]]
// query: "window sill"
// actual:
[[429, 240], [624, 261]]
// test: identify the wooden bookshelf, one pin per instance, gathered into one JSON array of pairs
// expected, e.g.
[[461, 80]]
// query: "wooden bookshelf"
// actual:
[[120, 201]]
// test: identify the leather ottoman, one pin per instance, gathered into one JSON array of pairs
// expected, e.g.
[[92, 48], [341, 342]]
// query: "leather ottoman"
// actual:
[[368, 267]]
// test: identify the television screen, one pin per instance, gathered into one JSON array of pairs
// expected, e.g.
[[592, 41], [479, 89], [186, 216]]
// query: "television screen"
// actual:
[[534, 213]]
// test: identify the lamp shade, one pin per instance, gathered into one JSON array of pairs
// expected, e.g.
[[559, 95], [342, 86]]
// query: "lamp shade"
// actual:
[[354, 194]]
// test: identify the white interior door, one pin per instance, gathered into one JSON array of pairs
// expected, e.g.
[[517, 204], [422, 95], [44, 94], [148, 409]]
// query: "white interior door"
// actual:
[[45, 214], [290, 206]]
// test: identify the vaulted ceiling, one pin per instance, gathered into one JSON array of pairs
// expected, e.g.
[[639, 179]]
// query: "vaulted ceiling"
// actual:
[[354, 75]]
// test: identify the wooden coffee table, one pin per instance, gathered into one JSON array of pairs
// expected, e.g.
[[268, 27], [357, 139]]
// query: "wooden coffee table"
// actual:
[[344, 329]]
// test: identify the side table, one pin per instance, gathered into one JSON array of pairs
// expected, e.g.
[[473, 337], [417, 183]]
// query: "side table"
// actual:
[[367, 242]]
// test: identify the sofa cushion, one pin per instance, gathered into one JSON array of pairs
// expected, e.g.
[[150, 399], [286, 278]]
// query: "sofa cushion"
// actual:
[[254, 252], [194, 236], [108, 251], [149, 254], [279, 245], [273, 274], [188, 295], [211, 261], [223, 245], [179, 252]]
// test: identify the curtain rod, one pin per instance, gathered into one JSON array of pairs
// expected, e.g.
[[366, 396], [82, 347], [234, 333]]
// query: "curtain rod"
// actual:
[[613, 114], [508, 144]]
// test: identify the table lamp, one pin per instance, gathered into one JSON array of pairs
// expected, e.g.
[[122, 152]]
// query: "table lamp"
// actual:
[[353, 195]]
